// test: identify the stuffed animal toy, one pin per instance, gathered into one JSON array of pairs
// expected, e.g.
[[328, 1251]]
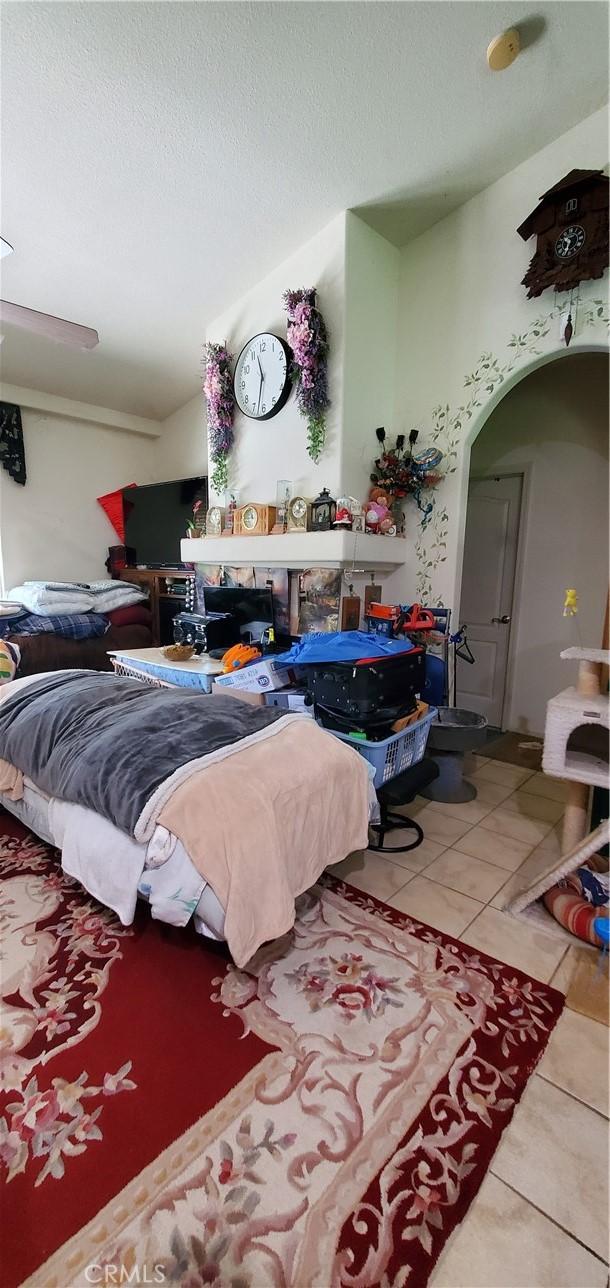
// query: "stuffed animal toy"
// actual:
[[378, 518], [382, 497]]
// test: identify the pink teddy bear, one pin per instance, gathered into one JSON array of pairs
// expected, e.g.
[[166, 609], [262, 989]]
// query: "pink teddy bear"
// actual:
[[378, 518]]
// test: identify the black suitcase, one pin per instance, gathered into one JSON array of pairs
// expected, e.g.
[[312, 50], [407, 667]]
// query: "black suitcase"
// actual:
[[368, 695]]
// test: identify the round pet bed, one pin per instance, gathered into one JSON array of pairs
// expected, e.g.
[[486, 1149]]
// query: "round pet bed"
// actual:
[[567, 903]]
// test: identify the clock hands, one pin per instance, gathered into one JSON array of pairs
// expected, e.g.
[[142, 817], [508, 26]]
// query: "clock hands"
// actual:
[[274, 381]]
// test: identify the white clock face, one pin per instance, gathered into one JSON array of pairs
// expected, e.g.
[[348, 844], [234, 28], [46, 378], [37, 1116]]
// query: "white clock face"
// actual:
[[261, 381], [298, 508], [214, 517], [249, 518], [570, 241]]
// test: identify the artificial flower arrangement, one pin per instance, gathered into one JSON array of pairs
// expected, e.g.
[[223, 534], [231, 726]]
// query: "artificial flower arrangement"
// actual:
[[307, 336], [193, 526], [399, 472], [218, 390]]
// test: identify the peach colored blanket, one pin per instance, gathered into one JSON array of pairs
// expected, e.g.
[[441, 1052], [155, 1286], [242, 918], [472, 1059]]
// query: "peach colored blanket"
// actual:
[[11, 781], [262, 825]]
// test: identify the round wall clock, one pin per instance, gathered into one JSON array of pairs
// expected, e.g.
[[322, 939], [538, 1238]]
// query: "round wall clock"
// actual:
[[261, 382], [570, 241]]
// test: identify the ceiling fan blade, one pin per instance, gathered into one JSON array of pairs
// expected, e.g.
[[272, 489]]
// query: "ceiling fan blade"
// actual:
[[82, 337]]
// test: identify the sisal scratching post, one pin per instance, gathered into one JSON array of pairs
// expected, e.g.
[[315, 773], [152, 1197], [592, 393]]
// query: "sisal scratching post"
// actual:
[[589, 677], [575, 816]]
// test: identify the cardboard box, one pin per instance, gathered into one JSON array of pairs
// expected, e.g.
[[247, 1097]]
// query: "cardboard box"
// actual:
[[258, 677], [290, 700], [255, 699]]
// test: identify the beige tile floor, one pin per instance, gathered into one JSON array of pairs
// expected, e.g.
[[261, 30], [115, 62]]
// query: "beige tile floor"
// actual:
[[540, 1219]]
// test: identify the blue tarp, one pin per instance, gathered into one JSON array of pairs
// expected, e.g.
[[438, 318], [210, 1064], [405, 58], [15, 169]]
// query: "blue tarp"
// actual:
[[340, 646]]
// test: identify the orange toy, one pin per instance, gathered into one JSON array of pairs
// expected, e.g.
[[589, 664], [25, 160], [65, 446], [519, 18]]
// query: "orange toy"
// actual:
[[239, 655]]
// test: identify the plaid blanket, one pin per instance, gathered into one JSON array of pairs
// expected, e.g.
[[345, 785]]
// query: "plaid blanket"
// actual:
[[72, 626]]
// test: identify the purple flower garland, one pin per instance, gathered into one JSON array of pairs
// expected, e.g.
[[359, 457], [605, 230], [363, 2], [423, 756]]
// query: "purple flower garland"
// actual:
[[218, 390], [306, 334]]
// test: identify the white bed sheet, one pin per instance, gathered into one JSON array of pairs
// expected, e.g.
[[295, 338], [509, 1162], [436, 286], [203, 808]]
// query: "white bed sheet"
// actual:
[[115, 869]]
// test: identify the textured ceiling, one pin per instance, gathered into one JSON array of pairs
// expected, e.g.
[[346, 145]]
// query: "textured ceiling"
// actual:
[[158, 159]]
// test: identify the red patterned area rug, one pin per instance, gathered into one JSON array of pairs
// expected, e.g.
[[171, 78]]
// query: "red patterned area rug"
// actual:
[[325, 1118]]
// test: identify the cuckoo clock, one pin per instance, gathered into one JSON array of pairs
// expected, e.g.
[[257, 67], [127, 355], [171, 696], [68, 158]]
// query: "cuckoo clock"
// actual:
[[571, 228]]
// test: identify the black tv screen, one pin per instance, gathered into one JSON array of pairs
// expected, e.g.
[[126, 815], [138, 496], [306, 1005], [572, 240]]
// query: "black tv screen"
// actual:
[[156, 517], [253, 608]]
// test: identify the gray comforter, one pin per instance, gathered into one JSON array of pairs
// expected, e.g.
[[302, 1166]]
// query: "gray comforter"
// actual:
[[108, 742]]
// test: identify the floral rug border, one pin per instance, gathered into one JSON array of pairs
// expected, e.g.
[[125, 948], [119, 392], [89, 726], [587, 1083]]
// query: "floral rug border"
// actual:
[[396, 1232]]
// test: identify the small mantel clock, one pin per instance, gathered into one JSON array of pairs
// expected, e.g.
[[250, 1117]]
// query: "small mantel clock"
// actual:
[[571, 228], [254, 520], [298, 515]]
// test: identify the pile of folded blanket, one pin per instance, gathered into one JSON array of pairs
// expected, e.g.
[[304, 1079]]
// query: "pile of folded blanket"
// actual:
[[73, 610]]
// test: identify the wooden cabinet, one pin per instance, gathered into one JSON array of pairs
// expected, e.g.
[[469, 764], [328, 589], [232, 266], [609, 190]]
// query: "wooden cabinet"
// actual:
[[155, 582]]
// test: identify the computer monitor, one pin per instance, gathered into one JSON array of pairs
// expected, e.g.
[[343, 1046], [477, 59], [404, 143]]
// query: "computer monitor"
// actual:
[[253, 608]]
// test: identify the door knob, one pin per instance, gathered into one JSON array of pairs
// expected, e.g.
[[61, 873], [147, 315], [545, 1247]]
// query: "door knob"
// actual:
[[503, 621]]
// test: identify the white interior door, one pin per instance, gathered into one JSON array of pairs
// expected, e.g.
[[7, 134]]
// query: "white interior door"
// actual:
[[488, 581]]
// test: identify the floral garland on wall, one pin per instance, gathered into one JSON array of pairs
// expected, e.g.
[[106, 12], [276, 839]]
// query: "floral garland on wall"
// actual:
[[449, 427], [307, 336], [218, 390]]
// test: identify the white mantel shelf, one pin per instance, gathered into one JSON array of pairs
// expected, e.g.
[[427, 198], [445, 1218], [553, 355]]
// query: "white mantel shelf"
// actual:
[[336, 549]]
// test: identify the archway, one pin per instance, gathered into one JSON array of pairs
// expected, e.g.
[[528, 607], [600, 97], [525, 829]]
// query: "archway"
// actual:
[[479, 421], [533, 451]]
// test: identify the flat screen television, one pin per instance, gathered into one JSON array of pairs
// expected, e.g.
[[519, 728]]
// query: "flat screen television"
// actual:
[[156, 516], [253, 608]]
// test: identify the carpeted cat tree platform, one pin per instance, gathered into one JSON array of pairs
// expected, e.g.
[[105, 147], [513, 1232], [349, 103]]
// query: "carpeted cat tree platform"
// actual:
[[576, 750]]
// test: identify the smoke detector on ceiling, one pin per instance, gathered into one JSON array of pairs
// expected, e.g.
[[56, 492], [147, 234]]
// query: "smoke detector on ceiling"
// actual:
[[503, 50]]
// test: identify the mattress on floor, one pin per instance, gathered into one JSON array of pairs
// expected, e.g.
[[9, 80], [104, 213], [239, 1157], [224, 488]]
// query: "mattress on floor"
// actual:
[[117, 870]]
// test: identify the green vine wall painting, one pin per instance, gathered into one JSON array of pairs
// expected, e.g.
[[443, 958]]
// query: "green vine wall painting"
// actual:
[[450, 425]]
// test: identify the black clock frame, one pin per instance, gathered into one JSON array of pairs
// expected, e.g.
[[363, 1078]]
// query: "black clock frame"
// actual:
[[286, 391], [572, 253]]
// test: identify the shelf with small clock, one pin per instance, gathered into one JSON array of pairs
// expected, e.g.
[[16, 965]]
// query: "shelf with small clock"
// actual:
[[296, 548]]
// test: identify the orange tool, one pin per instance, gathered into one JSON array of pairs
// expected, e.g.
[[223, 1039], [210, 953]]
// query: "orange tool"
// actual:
[[239, 655]]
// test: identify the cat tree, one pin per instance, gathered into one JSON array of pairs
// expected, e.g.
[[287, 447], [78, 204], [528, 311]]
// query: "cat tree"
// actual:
[[573, 710]]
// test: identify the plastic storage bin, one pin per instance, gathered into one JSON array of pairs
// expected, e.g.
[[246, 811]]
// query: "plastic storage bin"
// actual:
[[162, 677], [393, 755]]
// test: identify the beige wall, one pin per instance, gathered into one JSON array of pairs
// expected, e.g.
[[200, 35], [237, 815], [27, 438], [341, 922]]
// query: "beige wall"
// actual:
[[372, 268], [467, 331], [53, 527], [266, 451], [553, 425], [182, 449]]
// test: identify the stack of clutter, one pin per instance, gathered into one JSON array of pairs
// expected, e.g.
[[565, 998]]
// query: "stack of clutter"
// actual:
[[360, 683], [73, 610], [348, 680]]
